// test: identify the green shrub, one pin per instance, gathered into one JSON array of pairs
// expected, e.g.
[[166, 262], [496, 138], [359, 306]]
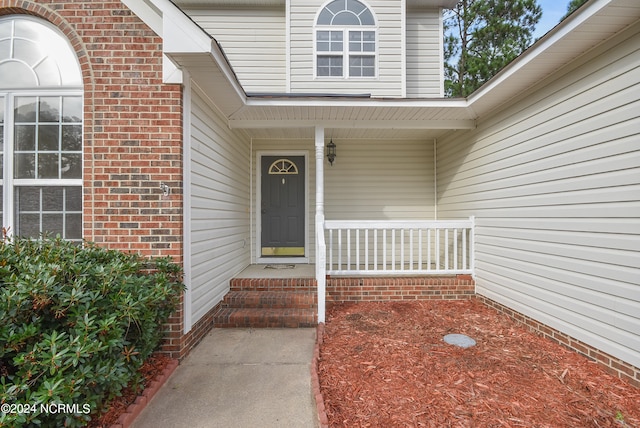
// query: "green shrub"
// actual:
[[76, 324]]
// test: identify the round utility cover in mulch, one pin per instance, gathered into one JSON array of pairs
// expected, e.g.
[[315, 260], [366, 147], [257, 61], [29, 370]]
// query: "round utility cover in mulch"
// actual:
[[386, 365]]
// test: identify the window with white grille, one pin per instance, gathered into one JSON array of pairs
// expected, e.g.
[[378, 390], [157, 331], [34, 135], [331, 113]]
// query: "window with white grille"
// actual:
[[345, 40], [40, 131]]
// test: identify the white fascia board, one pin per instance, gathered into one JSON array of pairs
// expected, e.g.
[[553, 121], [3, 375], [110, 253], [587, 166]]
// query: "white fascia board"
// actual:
[[447, 4], [153, 17], [178, 32], [351, 124], [181, 34], [539, 48], [337, 101]]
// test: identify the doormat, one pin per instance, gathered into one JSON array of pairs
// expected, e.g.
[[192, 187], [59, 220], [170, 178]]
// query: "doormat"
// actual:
[[280, 266]]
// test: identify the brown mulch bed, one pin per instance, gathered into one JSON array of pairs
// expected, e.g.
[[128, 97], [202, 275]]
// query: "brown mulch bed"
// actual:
[[387, 365], [151, 368]]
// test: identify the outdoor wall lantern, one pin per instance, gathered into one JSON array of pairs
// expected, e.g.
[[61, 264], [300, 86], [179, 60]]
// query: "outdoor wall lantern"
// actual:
[[331, 152]]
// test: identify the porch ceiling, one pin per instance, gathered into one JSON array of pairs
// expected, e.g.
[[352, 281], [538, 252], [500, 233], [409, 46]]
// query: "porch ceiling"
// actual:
[[308, 133], [353, 117]]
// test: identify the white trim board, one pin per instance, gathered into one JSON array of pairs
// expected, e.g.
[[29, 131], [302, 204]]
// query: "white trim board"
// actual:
[[256, 211]]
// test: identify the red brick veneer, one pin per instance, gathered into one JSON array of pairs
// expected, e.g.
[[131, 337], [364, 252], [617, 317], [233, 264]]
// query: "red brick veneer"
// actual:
[[132, 127], [400, 288]]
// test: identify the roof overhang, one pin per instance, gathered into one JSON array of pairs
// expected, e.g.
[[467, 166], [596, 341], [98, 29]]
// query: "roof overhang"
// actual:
[[447, 4], [593, 24], [201, 58]]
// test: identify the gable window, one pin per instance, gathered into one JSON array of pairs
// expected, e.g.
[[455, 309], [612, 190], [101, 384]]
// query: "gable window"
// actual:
[[345, 42], [40, 131]]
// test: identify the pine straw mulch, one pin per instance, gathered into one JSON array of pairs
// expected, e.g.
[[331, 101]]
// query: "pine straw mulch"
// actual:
[[386, 365]]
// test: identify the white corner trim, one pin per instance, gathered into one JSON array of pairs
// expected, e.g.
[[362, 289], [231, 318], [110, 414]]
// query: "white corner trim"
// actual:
[[171, 74], [182, 35], [186, 205]]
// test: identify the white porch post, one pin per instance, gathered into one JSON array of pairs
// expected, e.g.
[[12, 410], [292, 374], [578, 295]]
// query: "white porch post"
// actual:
[[321, 251]]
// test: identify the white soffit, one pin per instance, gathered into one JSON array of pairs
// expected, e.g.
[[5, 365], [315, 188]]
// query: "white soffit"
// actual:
[[351, 113]]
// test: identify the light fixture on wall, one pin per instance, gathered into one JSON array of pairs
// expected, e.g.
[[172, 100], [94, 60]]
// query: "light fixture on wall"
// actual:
[[331, 152]]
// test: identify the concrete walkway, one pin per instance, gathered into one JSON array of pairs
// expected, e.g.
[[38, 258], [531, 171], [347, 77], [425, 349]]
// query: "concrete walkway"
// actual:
[[239, 378]]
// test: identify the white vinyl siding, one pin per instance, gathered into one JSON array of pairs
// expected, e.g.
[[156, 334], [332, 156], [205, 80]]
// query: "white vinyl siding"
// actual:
[[219, 210], [424, 54], [254, 41], [389, 39], [554, 183], [370, 180], [380, 180]]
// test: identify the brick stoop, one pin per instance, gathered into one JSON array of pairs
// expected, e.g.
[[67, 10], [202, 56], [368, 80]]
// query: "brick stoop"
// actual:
[[292, 302], [268, 303]]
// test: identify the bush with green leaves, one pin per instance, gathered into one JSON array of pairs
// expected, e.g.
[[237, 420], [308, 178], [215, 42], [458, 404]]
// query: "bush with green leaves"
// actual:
[[77, 322]]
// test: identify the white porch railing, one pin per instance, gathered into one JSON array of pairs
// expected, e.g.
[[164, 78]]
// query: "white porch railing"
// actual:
[[398, 247]]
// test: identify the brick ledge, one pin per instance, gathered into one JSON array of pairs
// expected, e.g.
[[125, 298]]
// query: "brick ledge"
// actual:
[[323, 421], [133, 411]]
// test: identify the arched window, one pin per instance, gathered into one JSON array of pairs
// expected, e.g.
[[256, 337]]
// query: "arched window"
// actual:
[[345, 40], [40, 130]]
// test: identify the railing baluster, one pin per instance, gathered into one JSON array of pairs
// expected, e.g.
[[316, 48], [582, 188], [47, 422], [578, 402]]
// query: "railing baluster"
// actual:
[[366, 249], [348, 249], [455, 248], [446, 249], [437, 248], [339, 249], [464, 249], [384, 249], [410, 249], [330, 249], [357, 249], [419, 249], [400, 251], [375, 250], [429, 249]]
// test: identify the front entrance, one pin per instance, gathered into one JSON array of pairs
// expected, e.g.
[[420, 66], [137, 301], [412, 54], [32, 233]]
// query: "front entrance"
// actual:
[[283, 206]]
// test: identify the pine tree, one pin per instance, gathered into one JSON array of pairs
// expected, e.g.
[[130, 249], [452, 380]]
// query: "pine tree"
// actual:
[[572, 7], [481, 37]]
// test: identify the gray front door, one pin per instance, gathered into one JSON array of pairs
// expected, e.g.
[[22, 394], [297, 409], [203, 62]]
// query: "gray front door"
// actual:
[[282, 207]]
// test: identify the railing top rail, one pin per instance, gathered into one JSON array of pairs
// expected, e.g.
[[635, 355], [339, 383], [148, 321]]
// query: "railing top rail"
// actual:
[[397, 224]]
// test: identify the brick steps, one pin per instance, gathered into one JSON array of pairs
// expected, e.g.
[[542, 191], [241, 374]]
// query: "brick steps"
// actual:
[[269, 299], [267, 309], [292, 302]]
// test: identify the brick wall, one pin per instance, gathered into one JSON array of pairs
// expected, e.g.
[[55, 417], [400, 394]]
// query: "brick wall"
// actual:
[[400, 288], [132, 122], [132, 127], [346, 289]]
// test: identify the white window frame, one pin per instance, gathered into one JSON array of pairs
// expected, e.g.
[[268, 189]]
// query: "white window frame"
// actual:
[[68, 84], [345, 53], [7, 180]]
